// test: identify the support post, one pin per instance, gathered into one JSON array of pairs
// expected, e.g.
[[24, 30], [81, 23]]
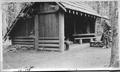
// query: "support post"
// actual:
[[74, 20], [61, 31], [80, 41], [91, 39], [96, 26], [36, 45]]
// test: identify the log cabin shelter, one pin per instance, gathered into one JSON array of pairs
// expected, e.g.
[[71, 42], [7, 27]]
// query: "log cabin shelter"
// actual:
[[46, 25]]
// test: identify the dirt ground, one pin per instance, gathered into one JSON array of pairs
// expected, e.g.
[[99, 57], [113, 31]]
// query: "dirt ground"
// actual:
[[78, 56]]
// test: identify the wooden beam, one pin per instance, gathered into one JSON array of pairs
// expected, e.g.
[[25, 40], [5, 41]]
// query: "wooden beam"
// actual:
[[36, 32], [62, 6], [74, 22], [61, 31]]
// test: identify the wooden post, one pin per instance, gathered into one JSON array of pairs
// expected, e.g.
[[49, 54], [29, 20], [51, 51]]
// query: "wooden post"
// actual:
[[74, 22], [96, 26], [80, 41], [61, 31], [91, 39], [36, 32]]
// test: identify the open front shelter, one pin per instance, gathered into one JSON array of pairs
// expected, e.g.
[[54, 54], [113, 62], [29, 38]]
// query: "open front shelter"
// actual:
[[45, 25]]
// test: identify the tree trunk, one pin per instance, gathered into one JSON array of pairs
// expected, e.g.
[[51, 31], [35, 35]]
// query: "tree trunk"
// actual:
[[114, 22]]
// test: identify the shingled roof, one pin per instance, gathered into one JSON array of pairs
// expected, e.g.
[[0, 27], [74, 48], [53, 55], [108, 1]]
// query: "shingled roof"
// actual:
[[73, 5], [80, 6]]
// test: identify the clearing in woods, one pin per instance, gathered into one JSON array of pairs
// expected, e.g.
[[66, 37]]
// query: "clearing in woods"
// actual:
[[78, 56]]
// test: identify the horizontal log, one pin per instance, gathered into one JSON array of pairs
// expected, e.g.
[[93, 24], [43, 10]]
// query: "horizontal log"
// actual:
[[48, 38], [49, 49], [49, 45], [24, 37], [24, 43], [24, 40], [41, 38], [49, 41]]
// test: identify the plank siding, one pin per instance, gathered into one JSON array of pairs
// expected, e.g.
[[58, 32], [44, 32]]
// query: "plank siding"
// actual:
[[30, 26], [48, 25], [20, 29], [44, 28], [24, 27]]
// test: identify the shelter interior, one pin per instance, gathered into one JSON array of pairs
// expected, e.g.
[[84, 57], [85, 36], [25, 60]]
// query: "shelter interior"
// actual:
[[80, 23]]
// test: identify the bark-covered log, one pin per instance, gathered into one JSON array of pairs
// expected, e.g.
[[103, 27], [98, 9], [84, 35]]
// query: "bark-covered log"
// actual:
[[114, 62]]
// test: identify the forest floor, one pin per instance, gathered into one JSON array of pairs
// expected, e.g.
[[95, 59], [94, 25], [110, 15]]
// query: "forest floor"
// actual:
[[78, 56]]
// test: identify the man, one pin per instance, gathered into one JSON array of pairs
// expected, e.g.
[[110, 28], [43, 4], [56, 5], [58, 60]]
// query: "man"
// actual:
[[106, 34]]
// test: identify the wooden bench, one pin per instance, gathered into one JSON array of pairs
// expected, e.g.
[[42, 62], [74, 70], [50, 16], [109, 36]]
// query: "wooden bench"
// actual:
[[89, 34], [80, 39]]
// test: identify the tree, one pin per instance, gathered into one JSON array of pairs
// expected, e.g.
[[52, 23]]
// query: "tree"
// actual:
[[114, 62]]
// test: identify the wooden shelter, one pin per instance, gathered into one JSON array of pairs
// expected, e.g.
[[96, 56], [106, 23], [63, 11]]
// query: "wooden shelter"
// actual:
[[45, 25]]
